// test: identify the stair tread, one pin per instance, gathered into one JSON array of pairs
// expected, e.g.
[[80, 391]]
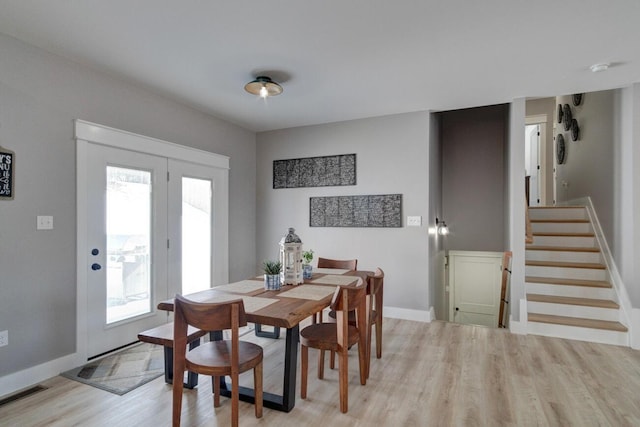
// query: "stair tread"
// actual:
[[560, 221], [562, 234], [562, 248], [556, 207], [588, 302], [569, 282], [564, 264], [577, 321]]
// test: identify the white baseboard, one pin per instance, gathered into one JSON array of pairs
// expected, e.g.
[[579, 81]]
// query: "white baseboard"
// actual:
[[409, 314], [17, 381]]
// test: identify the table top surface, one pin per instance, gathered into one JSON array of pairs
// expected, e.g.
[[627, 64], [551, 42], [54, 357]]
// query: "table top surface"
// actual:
[[284, 308]]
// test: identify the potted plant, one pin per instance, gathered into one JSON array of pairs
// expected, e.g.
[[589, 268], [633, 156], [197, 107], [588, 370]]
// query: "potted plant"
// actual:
[[272, 270], [306, 267]]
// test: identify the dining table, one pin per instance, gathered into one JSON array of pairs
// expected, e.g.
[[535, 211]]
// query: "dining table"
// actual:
[[283, 308]]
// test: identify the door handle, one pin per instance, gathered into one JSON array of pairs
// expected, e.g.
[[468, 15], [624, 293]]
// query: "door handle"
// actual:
[[95, 266]]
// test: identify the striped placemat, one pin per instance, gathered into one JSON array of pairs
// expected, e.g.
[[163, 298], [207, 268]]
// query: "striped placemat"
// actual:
[[335, 280], [242, 287], [313, 292], [329, 270]]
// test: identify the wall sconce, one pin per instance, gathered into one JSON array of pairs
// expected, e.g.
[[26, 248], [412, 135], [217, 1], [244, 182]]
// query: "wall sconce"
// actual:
[[442, 228]]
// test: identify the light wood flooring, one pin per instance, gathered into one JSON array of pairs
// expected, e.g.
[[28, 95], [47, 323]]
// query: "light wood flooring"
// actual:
[[435, 374]]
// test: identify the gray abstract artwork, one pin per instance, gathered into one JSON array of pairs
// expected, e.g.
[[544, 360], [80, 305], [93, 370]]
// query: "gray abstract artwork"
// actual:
[[356, 211], [322, 171]]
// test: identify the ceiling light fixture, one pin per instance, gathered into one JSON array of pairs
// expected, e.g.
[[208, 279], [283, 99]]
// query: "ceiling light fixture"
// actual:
[[596, 68], [263, 86]]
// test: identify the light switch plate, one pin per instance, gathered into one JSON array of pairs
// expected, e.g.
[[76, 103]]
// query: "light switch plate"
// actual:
[[414, 221], [44, 222]]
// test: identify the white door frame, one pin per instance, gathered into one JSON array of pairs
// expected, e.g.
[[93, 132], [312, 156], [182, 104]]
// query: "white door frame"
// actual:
[[542, 120], [91, 133]]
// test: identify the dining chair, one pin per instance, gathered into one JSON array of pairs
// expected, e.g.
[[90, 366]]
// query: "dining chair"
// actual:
[[346, 264], [338, 337], [214, 358], [374, 304]]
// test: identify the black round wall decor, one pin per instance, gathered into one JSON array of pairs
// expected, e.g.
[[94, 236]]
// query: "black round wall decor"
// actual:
[[577, 99], [560, 149], [559, 113], [566, 117], [575, 130]]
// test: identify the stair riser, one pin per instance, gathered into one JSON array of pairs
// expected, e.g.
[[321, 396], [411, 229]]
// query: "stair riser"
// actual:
[[569, 310], [564, 213], [557, 227], [562, 256], [581, 242], [577, 333], [566, 273], [570, 291]]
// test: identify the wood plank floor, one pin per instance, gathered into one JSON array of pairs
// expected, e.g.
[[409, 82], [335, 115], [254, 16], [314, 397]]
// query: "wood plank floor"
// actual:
[[430, 374]]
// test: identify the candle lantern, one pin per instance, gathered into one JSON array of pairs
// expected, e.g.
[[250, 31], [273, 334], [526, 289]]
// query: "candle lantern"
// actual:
[[291, 259]]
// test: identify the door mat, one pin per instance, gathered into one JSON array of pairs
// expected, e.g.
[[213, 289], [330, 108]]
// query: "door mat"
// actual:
[[123, 371]]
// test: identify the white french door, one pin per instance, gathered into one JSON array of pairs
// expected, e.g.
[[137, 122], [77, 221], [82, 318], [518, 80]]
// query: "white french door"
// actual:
[[149, 226], [126, 243], [197, 246]]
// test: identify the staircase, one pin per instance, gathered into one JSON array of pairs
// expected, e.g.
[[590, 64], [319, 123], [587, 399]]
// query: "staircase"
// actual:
[[569, 293]]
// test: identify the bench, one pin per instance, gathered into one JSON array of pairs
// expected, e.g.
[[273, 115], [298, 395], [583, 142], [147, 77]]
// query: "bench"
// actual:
[[163, 335]]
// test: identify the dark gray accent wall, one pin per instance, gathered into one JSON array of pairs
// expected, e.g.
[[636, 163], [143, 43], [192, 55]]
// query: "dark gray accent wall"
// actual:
[[473, 177], [40, 96]]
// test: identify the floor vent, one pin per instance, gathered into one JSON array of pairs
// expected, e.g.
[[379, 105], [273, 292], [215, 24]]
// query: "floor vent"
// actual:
[[23, 393]]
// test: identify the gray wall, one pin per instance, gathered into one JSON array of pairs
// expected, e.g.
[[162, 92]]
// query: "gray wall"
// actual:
[[473, 177], [40, 95], [626, 240], [392, 157], [589, 162]]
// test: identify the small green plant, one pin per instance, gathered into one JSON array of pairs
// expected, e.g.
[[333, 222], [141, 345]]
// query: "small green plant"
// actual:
[[308, 256], [272, 267]]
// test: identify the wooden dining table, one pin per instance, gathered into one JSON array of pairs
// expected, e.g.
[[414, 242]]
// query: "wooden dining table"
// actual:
[[284, 308]]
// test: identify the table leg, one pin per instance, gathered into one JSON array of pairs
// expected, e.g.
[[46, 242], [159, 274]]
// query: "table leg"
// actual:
[[287, 400]]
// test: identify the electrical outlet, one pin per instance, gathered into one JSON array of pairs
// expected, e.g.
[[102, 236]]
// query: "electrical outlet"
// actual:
[[44, 222], [414, 221], [4, 338]]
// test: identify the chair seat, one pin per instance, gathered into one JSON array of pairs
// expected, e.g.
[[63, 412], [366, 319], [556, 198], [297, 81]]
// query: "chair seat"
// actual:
[[213, 358], [323, 336], [352, 316]]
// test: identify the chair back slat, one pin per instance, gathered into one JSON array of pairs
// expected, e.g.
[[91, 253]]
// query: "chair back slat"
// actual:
[[347, 264], [210, 316]]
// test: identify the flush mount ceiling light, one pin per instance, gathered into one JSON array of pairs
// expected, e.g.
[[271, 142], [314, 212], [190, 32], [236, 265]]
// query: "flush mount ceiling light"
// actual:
[[263, 86], [596, 68]]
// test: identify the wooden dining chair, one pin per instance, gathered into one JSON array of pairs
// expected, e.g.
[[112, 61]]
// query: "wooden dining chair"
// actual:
[[215, 358], [374, 304], [338, 337], [343, 264], [347, 264]]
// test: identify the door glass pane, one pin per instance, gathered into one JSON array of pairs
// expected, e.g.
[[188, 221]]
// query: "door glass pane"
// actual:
[[196, 234], [128, 243]]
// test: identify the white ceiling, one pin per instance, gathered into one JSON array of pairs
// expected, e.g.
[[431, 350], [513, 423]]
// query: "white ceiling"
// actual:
[[340, 59]]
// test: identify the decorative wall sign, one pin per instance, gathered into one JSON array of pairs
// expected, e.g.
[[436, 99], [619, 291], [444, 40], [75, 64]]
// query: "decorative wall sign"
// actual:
[[577, 99], [560, 113], [7, 166], [356, 211], [322, 171], [560, 149], [575, 130], [566, 117]]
